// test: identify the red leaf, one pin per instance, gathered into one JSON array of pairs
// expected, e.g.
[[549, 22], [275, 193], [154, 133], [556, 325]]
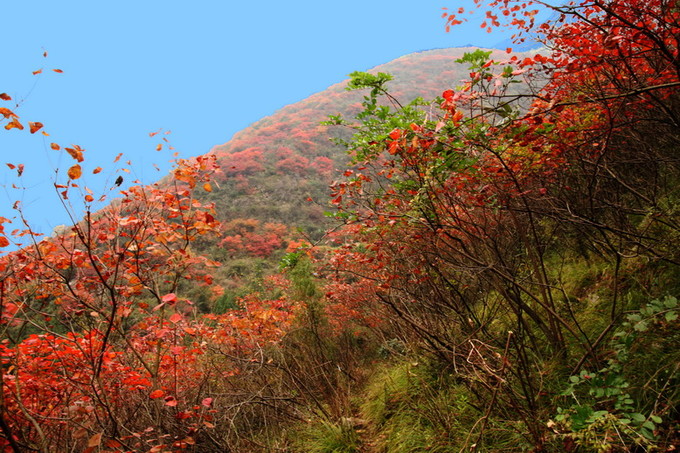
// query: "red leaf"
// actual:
[[96, 170], [58, 70], [207, 402], [175, 318], [5, 97], [169, 298], [3, 241], [170, 401]]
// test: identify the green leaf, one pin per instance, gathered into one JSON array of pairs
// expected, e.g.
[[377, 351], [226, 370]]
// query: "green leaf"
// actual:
[[647, 433], [671, 316], [656, 419], [641, 326], [598, 414], [638, 417], [649, 425]]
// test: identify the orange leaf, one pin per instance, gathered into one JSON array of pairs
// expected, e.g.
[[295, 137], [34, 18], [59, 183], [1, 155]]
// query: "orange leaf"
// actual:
[[74, 172], [58, 70], [3, 241], [5, 97], [117, 158], [37, 72], [76, 152], [159, 147], [7, 112], [35, 127], [55, 147], [156, 394], [207, 187], [95, 440], [96, 170], [89, 198], [14, 123]]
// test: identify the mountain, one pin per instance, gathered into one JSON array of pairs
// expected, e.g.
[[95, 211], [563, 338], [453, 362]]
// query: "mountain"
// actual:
[[273, 186], [271, 168]]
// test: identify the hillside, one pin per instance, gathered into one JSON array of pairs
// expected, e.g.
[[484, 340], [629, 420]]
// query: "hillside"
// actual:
[[501, 273], [272, 167], [274, 181]]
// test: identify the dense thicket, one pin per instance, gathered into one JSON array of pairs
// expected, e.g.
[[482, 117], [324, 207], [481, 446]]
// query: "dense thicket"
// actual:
[[501, 275]]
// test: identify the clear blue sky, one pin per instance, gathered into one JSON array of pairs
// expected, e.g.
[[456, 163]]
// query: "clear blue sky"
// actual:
[[202, 69]]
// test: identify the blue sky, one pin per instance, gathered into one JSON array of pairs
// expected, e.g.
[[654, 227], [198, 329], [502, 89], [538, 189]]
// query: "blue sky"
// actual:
[[203, 70]]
